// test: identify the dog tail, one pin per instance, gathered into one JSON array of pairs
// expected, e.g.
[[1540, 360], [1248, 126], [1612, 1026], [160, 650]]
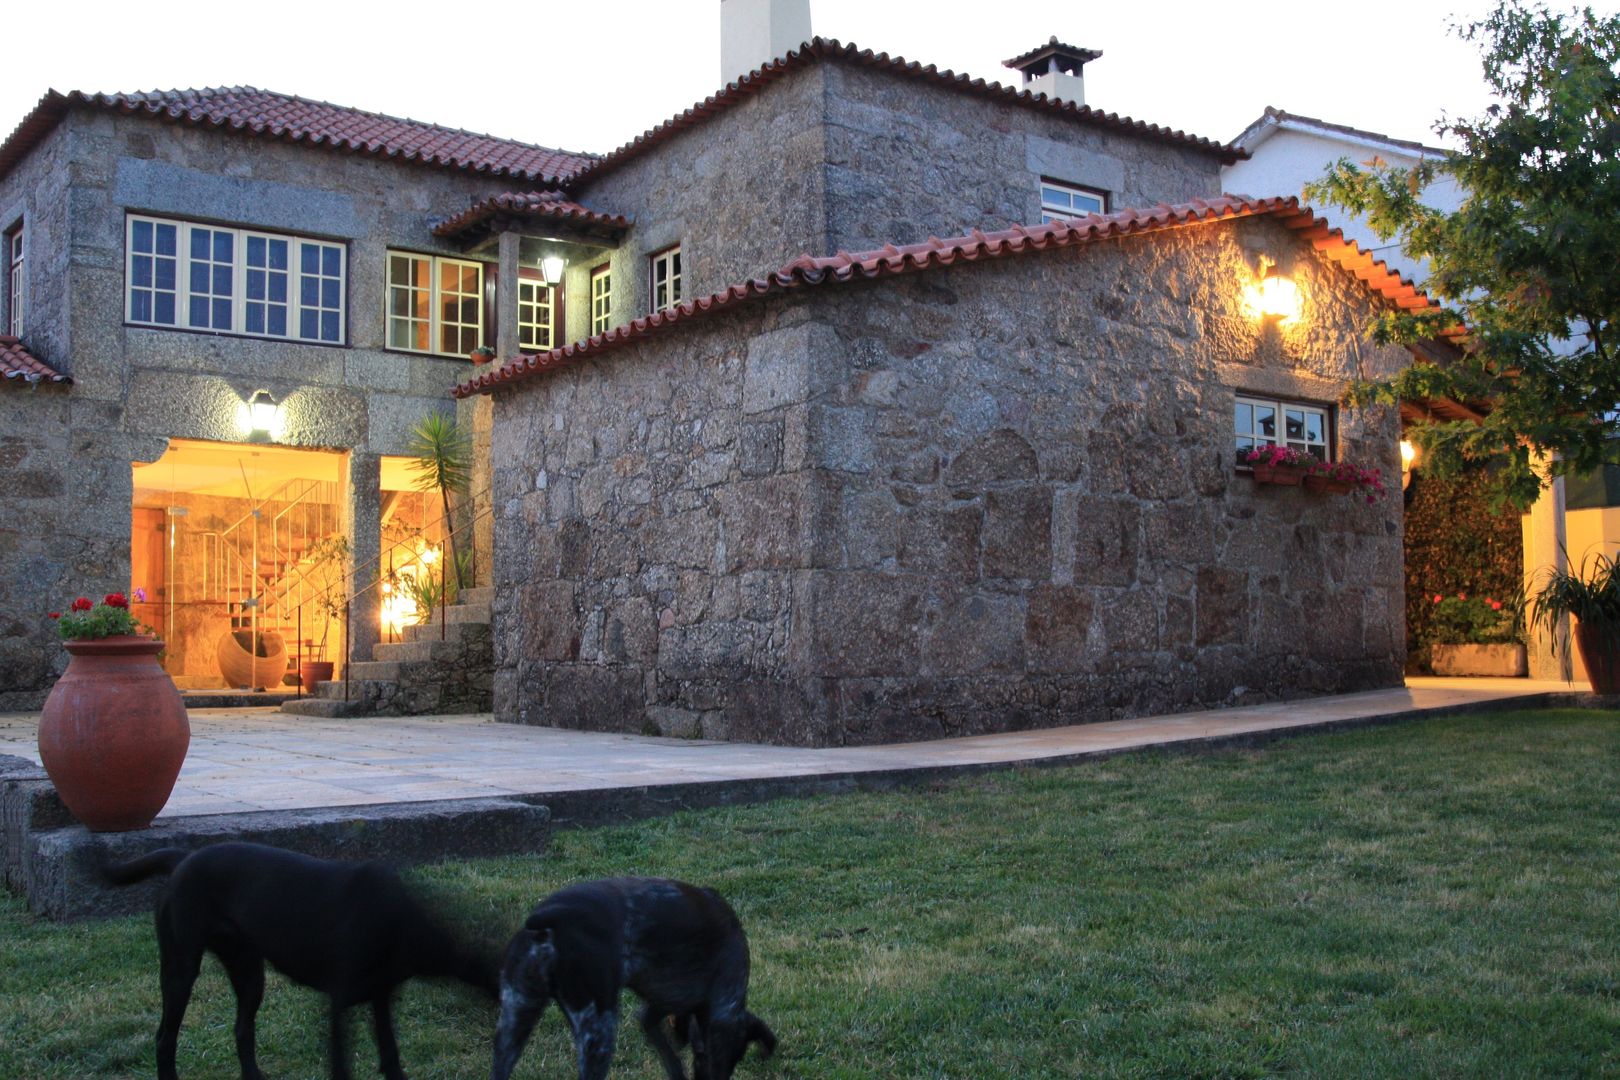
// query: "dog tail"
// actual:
[[762, 1034], [161, 861]]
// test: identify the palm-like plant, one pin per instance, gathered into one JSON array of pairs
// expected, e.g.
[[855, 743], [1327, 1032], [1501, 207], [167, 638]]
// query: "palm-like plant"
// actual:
[[443, 462], [1590, 594]]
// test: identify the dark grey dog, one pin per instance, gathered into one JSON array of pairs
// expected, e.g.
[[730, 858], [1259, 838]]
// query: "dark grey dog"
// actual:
[[350, 930], [679, 947]]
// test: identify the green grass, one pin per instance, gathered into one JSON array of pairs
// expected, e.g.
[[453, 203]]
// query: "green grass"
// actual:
[[1435, 899]]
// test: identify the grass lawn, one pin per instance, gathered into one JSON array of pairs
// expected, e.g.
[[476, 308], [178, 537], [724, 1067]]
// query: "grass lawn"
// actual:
[[1434, 899]]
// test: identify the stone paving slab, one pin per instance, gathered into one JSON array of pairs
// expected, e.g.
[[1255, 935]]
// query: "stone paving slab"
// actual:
[[245, 760]]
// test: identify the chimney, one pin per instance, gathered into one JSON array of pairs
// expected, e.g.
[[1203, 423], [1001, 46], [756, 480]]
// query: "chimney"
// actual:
[[755, 32], [1055, 69]]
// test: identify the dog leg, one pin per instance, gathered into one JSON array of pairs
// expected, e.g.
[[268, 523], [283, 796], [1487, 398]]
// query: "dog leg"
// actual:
[[382, 1022], [652, 1026], [594, 1035], [178, 965], [246, 970], [337, 1043]]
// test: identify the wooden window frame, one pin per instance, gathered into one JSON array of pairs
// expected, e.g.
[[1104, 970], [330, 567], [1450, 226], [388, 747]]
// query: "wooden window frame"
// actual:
[[437, 325], [669, 260], [1246, 439], [601, 310]]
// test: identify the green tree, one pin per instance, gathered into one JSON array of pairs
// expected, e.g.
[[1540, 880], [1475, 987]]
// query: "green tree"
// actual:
[[1526, 267], [442, 461]]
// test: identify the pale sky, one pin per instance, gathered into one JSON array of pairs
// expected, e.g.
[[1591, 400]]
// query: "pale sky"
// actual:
[[590, 76]]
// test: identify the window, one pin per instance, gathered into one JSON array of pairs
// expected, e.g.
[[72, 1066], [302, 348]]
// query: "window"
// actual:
[[14, 281], [435, 305], [601, 300], [234, 281], [1304, 427], [537, 315], [1060, 200], [666, 279]]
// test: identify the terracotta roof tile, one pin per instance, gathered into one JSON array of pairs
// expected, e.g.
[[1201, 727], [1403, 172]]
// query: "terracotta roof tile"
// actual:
[[825, 49], [1374, 274], [265, 114], [552, 205], [1052, 48], [16, 362]]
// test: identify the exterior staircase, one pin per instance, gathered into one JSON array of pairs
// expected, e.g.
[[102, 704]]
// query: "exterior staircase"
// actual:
[[445, 665]]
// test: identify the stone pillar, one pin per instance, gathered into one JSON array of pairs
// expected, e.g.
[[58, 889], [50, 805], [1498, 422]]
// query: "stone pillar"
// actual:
[[506, 298], [1545, 546], [477, 414], [362, 524]]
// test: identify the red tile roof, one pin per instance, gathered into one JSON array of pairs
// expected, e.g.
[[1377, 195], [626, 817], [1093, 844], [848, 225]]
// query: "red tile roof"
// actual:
[[806, 270], [1052, 48], [819, 49], [268, 115], [16, 362], [552, 205]]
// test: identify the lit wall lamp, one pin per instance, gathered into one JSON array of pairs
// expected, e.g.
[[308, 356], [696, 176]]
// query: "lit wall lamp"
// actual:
[[1409, 456], [263, 416], [553, 266], [1273, 295]]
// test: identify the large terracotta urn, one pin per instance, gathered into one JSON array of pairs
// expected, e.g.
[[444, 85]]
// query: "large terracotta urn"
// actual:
[[1600, 652], [114, 733]]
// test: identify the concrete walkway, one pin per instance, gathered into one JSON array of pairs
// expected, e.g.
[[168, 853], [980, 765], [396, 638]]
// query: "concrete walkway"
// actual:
[[258, 759]]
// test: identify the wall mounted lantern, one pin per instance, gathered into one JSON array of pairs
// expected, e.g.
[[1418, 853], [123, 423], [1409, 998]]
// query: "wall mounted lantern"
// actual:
[[263, 414], [553, 266], [1409, 456], [1273, 295]]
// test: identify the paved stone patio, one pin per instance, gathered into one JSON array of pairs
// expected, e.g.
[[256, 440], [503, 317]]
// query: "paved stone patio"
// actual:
[[259, 759]]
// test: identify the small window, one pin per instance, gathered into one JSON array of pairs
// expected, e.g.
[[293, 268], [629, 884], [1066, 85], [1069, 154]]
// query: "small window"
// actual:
[[1258, 422], [666, 279], [537, 315], [601, 300], [234, 281], [435, 305], [1060, 200], [14, 281]]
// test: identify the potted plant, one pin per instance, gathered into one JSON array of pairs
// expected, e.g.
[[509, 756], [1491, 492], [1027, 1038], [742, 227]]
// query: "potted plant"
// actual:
[[1344, 478], [1590, 596], [327, 559], [1476, 635], [113, 732], [483, 354], [1279, 465]]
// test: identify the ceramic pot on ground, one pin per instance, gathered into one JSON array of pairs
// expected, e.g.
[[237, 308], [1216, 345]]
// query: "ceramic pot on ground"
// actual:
[[311, 672], [114, 733], [1600, 652]]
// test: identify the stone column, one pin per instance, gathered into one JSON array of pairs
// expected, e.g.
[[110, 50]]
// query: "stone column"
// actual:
[[1545, 546], [477, 414], [362, 523]]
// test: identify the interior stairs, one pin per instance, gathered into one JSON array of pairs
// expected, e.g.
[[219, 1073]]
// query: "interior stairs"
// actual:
[[444, 665]]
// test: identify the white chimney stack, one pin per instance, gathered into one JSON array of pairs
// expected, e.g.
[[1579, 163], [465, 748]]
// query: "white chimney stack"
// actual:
[[755, 32], [1056, 70]]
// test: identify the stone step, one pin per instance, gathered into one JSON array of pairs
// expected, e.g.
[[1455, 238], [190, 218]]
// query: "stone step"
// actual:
[[432, 649], [321, 707], [375, 670], [358, 689], [451, 631], [460, 613], [484, 594]]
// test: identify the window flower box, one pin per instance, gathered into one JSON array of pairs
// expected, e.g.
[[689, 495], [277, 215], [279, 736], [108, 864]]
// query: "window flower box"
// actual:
[[1279, 465]]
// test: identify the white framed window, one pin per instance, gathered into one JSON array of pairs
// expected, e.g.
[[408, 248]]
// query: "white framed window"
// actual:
[[666, 278], [435, 304], [1060, 200], [14, 281], [234, 281], [1260, 422], [601, 300], [537, 315]]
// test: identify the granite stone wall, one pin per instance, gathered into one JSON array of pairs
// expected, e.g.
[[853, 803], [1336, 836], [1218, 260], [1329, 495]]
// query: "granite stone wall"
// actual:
[[983, 498], [67, 451]]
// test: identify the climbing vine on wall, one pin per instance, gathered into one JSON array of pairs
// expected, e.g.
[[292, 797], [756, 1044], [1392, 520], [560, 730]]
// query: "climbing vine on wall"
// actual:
[[1454, 543]]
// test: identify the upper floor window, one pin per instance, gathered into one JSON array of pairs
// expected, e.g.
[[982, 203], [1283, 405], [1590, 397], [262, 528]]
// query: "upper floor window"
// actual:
[[14, 281], [234, 281], [1060, 200], [435, 304], [666, 278], [601, 300], [537, 315], [1281, 423]]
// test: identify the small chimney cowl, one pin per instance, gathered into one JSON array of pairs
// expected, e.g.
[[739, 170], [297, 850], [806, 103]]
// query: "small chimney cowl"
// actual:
[[1055, 69]]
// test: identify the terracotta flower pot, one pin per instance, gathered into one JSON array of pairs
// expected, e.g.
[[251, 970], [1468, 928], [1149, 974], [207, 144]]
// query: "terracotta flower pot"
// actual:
[[1327, 485], [311, 672], [1287, 475], [1600, 652], [114, 733]]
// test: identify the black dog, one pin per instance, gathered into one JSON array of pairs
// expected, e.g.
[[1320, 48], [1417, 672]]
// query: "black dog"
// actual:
[[679, 947], [350, 930]]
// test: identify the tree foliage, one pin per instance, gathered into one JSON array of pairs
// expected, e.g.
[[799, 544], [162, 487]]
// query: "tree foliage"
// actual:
[[1526, 265]]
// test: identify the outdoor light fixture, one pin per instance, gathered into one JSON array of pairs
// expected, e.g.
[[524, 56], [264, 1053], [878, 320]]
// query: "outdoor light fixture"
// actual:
[[262, 414], [1409, 456], [553, 266], [1273, 295]]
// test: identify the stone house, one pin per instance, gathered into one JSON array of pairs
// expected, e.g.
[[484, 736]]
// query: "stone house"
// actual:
[[733, 480]]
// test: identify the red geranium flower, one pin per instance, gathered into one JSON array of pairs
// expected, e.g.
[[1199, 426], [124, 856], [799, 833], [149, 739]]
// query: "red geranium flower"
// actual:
[[1496, 605], [116, 599], [56, 614], [82, 604], [1438, 598]]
